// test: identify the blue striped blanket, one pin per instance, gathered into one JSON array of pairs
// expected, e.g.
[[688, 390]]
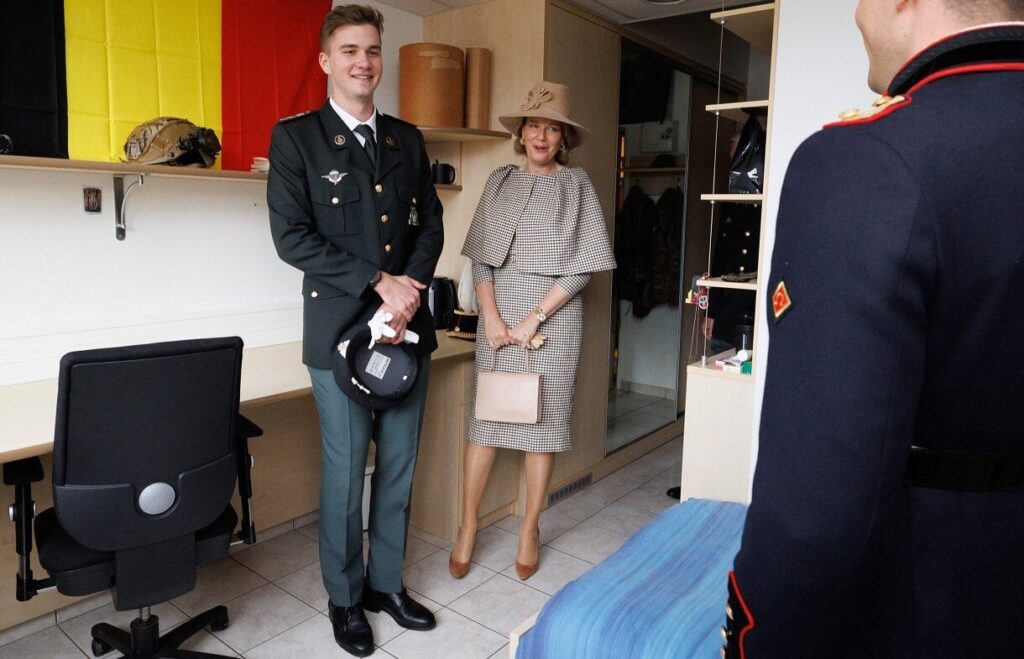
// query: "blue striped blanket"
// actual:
[[662, 595]]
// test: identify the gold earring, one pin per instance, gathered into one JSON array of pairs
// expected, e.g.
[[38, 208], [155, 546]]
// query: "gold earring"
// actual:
[[521, 141], [561, 147]]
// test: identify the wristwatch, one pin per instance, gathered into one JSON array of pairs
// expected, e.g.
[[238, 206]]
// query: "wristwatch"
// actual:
[[539, 313], [375, 279]]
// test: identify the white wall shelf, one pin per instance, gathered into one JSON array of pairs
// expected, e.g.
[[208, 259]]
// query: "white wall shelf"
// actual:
[[754, 25], [717, 282], [97, 167], [734, 198], [739, 112]]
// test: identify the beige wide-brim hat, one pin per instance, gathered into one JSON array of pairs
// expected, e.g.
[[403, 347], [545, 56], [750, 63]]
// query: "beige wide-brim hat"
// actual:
[[548, 100]]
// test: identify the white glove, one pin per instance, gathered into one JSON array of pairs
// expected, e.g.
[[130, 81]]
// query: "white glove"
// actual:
[[379, 328]]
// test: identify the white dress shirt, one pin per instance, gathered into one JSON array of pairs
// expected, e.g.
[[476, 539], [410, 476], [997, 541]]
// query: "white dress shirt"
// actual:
[[352, 122]]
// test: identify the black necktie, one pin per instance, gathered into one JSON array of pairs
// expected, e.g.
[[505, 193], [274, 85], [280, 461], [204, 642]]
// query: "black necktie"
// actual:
[[370, 145]]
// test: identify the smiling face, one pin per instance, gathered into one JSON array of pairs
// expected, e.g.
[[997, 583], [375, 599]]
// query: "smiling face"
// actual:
[[541, 140], [352, 61]]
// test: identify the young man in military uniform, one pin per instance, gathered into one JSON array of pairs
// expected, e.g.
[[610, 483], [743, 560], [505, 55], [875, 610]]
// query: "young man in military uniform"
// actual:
[[352, 205], [888, 506]]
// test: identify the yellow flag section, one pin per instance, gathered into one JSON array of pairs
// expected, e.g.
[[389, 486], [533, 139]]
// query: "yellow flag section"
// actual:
[[129, 61]]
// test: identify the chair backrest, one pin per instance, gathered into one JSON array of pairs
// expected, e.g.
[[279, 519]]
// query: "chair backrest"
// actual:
[[144, 448]]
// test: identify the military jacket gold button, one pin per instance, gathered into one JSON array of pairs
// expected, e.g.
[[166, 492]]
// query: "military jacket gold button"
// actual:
[[744, 251], [725, 635], [387, 248], [378, 188], [314, 294], [384, 218], [746, 233], [335, 201]]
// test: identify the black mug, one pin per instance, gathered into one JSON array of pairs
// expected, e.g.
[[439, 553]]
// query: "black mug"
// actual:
[[442, 173]]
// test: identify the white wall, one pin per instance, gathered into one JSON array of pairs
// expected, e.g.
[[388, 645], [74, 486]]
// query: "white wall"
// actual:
[[198, 259], [400, 27], [821, 70]]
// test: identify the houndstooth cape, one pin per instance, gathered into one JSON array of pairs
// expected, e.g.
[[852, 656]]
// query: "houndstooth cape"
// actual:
[[573, 241]]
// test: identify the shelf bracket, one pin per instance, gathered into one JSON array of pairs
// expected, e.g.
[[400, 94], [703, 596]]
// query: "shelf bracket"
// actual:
[[120, 197]]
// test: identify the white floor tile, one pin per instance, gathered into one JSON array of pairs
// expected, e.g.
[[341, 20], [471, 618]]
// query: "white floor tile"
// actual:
[[280, 556], [556, 569], [432, 539], [614, 486], [27, 628], [581, 505], [260, 615], [217, 583], [650, 497], [455, 637], [500, 604], [204, 641], [312, 639], [501, 654], [80, 628], [553, 523], [495, 548], [622, 518], [50, 643], [588, 542], [311, 531], [432, 578], [308, 585], [417, 550]]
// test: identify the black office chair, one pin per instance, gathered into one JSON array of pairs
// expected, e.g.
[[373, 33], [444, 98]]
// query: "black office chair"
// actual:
[[147, 448]]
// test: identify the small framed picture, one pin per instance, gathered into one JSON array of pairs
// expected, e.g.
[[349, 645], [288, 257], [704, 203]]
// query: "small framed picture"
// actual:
[[658, 137], [92, 200]]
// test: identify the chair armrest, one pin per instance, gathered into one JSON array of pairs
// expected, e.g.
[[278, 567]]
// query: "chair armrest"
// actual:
[[21, 474], [247, 428]]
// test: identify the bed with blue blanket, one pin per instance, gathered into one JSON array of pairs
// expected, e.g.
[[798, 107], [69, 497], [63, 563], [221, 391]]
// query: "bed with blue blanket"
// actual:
[[661, 595]]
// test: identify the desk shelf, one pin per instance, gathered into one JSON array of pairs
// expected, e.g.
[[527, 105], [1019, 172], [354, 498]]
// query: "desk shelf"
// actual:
[[717, 282], [97, 167], [734, 198]]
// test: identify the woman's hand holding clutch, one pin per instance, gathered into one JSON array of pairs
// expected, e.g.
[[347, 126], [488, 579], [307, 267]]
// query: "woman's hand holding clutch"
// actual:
[[497, 332], [525, 332]]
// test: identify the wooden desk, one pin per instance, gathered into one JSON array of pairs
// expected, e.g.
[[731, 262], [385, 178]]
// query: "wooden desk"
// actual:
[[276, 395]]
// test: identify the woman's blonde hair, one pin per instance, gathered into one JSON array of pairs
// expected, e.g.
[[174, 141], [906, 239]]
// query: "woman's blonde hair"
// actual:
[[569, 141]]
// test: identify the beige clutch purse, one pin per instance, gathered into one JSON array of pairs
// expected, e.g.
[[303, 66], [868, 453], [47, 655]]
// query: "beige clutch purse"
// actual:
[[508, 397]]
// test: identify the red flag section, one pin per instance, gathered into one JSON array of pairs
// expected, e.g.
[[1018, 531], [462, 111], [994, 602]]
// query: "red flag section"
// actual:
[[270, 70]]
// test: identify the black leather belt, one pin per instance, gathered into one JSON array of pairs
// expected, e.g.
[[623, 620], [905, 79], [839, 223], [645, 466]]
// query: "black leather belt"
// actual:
[[955, 470]]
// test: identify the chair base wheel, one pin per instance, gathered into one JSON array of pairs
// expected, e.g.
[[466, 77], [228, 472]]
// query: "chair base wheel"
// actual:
[[99, 648], [220, 625]]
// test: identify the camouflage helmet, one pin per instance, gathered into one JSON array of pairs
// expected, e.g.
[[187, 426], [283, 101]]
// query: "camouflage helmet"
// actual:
[[172, 141]]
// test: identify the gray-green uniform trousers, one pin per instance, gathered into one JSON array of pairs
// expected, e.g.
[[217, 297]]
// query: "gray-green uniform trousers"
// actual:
[[346, 428]]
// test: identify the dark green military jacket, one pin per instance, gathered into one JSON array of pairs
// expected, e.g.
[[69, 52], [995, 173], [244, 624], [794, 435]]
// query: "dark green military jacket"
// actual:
[[338, 221]]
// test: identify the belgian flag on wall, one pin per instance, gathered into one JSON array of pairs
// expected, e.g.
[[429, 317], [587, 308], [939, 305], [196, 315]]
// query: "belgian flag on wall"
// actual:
[[76, 76]]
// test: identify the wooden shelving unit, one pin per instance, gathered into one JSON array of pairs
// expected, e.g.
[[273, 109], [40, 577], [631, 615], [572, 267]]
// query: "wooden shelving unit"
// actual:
[[734, 198], [717, 282], [739, 112], [96, 167], [755, 25], [718, 454], [432, 135], [654, 171]]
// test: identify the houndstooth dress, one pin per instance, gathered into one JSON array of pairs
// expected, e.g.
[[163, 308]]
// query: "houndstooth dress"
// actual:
[[518, 288]]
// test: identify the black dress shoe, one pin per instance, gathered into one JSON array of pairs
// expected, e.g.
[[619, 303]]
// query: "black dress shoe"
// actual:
[[351, 629], [406, 611]]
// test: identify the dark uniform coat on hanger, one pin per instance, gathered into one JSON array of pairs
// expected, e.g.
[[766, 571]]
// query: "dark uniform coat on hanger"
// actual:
[[897, 321]]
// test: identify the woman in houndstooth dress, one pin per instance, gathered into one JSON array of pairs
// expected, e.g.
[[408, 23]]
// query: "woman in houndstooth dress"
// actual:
[[537, 234]]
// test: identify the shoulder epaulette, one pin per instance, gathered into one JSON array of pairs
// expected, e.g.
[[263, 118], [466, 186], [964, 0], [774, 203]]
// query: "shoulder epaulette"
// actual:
[[883, 106], [399, 121], [295, 116]]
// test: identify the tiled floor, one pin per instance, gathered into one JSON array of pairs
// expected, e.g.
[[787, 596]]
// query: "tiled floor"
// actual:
[[632, 415], [278, 606]]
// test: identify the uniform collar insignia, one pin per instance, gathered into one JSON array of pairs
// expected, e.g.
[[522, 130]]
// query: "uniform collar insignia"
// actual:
[[1000, 42], [391, 142], [781, 302], [334, 176]]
